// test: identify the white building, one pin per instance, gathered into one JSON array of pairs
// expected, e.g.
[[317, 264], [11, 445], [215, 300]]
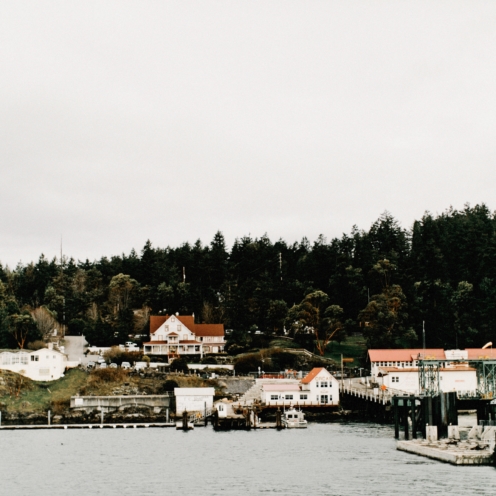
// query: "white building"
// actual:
[[40, 365], [177, 335], [194, 399], [317, 388], [459, 378], [398, 369]]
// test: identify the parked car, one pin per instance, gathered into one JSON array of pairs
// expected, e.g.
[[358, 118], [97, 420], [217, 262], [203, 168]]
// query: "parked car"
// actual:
[[100, 360], [113, 366], [125, 365], [103, 365]]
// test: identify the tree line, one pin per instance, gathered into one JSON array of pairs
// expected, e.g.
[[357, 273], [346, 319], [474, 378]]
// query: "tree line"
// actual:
[[384, 282]]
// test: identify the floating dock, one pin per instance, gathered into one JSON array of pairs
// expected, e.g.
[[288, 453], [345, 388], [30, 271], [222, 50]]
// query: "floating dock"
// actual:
[[87, 426], [457, 453]]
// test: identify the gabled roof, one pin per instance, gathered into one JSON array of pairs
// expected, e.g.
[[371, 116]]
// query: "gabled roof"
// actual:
[[402, 355], [312, 375], [188, 321], [156, 321]]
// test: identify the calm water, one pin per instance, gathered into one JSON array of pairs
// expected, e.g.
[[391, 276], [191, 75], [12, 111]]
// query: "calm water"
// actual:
[[330, 459]]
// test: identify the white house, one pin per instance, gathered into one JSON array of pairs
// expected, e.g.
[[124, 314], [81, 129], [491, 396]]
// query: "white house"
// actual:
[[40, 365], [177, 335], [194, 399], [317, 388]]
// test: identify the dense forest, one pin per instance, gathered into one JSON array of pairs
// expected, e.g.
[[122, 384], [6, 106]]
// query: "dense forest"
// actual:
[[384, 282]]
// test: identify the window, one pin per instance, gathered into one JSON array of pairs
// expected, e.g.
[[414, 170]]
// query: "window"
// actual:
[[6, 359], [35, 358], [173, 319], [303, 396], [324, 399], [289, 397], [317, 384], [24, 359], [323, 384], [274, 397], [395, 379], [185, 337], [166, 328], [178, 327], [15, 359]]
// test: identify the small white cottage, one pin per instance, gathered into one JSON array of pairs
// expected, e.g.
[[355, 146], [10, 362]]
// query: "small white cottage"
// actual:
[[41, 365], [194, 399]]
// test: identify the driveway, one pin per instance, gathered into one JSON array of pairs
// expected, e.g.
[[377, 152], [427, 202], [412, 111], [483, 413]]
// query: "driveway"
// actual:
[[74, 347]]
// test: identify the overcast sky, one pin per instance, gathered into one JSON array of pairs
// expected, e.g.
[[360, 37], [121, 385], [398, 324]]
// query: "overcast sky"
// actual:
[[123, 121]]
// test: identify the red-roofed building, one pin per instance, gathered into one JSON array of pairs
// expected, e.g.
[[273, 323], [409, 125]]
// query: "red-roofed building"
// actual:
[[177, 335], [401, 358], [398, 369], [317, 388]]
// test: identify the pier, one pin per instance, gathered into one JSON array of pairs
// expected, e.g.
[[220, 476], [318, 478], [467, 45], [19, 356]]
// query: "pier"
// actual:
[[87, 426]]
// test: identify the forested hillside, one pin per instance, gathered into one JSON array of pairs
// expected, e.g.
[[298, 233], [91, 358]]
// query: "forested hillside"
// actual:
[[383, 282]]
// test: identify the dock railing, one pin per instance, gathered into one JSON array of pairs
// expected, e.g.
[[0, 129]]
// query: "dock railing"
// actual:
[[375, 395]]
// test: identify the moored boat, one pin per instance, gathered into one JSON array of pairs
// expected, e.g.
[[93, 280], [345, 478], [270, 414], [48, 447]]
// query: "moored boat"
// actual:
[[294, 419]]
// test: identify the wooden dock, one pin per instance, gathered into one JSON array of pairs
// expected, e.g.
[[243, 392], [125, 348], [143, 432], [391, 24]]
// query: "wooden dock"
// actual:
[[89, 426]]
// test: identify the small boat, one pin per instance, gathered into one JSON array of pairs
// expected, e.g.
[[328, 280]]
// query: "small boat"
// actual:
[[294, 419]]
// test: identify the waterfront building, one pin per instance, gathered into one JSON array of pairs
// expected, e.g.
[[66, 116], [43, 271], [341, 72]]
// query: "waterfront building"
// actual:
[[318, 388], [398, 369], [45, 364], [177, 335], [192, 400]]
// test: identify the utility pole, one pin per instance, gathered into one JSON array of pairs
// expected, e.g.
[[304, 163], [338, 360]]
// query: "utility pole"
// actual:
[[280, 264], [423, 333]]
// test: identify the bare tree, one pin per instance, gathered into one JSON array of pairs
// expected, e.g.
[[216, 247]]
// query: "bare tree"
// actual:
[[45, 321]]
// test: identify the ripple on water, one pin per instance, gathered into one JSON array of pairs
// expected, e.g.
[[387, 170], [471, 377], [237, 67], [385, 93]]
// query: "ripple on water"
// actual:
[[325, 459]]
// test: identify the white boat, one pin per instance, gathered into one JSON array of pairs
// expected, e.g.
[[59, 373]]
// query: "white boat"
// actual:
[[294, 419]]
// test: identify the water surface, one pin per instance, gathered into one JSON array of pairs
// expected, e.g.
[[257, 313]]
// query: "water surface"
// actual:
[[325, 459]]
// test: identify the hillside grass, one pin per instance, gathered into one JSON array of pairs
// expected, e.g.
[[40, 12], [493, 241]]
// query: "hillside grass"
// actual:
[[42, 396], [354, 347]]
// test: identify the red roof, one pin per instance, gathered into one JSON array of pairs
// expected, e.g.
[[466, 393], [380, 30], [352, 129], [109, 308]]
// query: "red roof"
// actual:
[[187, 320], [209, 330], [479, 353], [454, 368], [402, 355], [156, 321], [202, 330], [312, 375]]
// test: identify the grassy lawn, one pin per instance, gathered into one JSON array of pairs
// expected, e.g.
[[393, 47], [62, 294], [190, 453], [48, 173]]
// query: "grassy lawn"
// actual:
[[41, 396], [283, 343], [353, 347]]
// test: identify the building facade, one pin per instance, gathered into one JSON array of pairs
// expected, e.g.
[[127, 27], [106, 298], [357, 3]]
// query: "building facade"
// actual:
[[40, 365], [177, 335]]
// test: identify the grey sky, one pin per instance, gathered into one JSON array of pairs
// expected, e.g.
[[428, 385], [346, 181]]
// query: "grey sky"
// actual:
[[127, 121]]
